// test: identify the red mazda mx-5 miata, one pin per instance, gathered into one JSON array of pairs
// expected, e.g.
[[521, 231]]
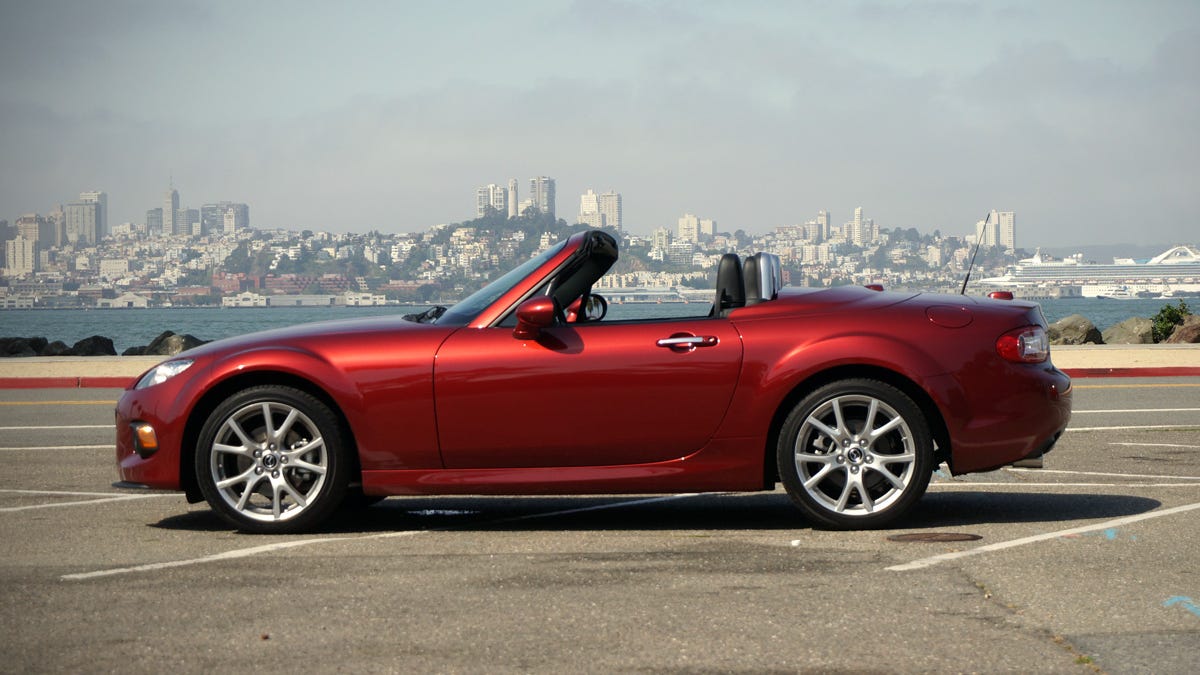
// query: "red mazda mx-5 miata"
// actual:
[[849, 396]]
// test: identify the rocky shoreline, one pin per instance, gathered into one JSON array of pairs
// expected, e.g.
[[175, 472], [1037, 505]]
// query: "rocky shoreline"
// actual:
[[1078, 330], [1072, 330], [167, 343]]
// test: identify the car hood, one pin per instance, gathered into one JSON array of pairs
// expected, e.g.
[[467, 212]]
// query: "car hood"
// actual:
[[312, 335]]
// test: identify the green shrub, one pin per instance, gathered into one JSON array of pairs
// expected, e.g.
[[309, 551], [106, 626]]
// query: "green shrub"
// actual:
[[1167, 319]]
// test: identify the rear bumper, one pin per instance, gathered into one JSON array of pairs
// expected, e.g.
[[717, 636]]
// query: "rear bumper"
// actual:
[[1025, 412]]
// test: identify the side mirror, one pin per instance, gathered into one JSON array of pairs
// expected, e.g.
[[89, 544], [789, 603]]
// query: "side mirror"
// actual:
[[532, 316], [595, 307]]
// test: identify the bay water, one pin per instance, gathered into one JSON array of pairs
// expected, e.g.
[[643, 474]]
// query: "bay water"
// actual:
[[137, 327]]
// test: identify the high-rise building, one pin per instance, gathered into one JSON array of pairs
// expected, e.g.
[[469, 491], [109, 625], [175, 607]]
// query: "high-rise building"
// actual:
[[186, 222], [30, 226], [589, 210], [81, 223], [1007, 230], [154, 221], [100, 199], [214, 218], [708, 229], [169, 207], [688, 229], [21, 257], [490, 198], [512, 198], [610, 207], [541, 194], [998, 229], [823, 219], [237, 218]]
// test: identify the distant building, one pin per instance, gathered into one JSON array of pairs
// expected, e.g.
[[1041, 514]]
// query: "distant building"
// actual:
[[224, 217], [81, 223], [169, 207], [512, 198], [490, 198], [154, 221], [589, 210], [610, 208], [1007, 230], [21, 256], [186, 222], [541, 195], [688, 229], [100, 199]]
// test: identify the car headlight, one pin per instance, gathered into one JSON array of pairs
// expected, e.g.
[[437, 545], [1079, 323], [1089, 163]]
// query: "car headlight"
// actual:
[[163, 372]]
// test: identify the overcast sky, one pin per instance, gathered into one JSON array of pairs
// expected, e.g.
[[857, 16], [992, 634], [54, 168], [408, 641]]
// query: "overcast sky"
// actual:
[[1082, 117]]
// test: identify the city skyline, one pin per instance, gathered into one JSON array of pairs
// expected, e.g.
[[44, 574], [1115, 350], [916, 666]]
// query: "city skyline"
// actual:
[[755, 115]]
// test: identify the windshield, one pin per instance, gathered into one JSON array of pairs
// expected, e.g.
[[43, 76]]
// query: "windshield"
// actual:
[[462, 313]]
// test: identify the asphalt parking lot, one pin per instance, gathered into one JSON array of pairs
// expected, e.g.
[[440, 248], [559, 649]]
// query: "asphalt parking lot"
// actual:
[[1090, 564]]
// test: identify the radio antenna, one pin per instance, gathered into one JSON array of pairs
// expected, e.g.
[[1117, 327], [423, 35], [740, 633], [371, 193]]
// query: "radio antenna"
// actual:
[[978, 240]]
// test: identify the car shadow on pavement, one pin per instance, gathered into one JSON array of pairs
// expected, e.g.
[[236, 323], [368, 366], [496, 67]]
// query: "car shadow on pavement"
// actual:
[[946, 509], [761, 511]]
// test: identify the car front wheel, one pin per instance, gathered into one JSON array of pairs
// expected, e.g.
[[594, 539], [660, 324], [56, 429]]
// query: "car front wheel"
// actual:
[[855, 454], [271, 460]]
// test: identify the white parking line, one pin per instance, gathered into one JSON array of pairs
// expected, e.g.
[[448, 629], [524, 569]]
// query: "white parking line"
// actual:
[[73, 426], [1101, 473], [118, 498], [1137, 428], [1133, 410], [968, 484], [1118, 522], [1159, 445], [62, 492], [107, 446], [269, 548]]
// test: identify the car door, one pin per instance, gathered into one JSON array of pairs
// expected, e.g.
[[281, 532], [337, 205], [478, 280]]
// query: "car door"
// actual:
[[584, 394]]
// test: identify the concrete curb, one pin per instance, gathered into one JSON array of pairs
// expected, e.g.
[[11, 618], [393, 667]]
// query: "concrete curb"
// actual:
[[1078, 361]]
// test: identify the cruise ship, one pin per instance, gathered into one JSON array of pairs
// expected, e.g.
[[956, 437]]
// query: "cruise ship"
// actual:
[[1174, 273]]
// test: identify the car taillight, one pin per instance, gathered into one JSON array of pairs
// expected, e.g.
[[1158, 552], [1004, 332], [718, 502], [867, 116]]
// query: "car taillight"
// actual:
[[1028, 344]]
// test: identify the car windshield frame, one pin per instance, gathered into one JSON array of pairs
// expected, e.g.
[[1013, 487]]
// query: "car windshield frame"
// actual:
[[465, 311]]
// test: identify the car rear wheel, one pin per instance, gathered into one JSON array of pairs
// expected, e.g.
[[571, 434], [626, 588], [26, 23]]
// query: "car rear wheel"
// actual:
[[271, 460], [855, 454]]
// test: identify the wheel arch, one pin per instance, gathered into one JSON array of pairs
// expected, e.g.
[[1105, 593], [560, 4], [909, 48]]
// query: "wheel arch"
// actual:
[[933, 415], [222, 390]]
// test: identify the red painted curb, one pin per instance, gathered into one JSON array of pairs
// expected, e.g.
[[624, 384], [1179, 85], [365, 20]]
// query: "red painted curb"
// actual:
[[65, 382], [39, 383], [105, 382], [1181, 371]]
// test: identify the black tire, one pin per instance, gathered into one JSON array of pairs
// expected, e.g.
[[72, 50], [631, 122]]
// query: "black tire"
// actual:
[[272, 460], [844, 478]]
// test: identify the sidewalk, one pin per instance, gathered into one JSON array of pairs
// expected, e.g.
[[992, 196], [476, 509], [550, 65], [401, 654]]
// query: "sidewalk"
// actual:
[[41, 372]]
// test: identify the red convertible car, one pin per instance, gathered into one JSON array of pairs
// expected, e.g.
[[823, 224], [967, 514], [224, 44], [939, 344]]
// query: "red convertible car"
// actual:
[[849, 396]]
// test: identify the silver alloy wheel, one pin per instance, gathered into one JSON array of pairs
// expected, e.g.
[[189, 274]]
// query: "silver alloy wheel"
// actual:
[[855, 455], [268, 461]]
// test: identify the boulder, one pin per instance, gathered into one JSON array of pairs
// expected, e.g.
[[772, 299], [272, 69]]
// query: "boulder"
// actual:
[[96, 345], [1074, 330], [19, 346], [169, 344], [134, 351], [1186, 333], [1135, 331], [56, 348]]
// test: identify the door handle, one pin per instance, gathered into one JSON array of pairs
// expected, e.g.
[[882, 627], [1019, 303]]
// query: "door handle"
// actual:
[[688, 342]]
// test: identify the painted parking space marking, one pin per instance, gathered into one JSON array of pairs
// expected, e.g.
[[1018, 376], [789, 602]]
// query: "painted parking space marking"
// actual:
[[1160, 445], [106, 446], [1137, 427], [1133, 410], [1046, 536], [1103, 473], [85, 502], [55, 428], [23, 403], [270, 548]]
